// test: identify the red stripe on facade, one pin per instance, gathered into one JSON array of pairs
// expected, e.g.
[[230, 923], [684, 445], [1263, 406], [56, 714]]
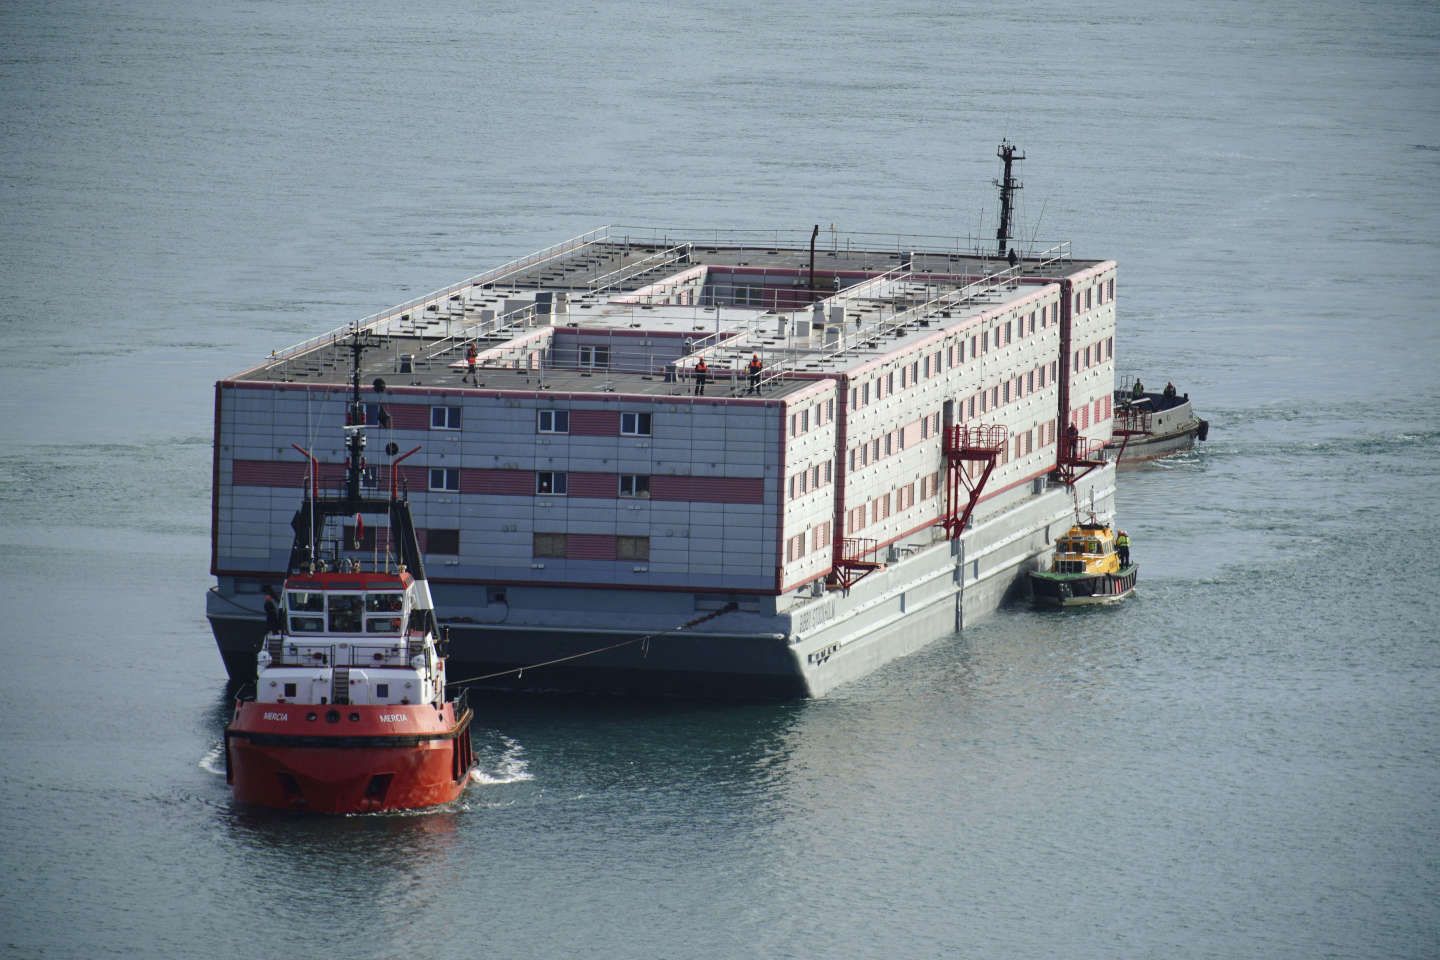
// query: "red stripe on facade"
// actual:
[[408, 416], [708, 489], [590, 546], [515, 483], [595, 423], [596, 485], [282, 473]]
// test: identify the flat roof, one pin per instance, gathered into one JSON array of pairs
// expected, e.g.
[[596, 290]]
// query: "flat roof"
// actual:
[[656, 304]]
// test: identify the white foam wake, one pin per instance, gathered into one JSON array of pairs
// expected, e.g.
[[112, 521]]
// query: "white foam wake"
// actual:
[[214, 759], [509, 767]]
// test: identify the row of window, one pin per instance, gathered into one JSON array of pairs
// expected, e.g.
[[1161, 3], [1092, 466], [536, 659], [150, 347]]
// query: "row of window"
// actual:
[[934, 363], [1015, 388], [1093, 354], [820, 414], [633, 424], [554, 483], [562, 546], [898, 500], [558, 421], [1096, 412], [1086, 299], [877, 448], [812, 478], [818, 537]]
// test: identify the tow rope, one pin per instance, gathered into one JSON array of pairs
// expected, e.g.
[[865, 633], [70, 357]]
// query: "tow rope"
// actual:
[[643, 641]]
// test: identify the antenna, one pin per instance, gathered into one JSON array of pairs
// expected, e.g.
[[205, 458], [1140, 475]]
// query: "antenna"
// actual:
[[1008, 153]]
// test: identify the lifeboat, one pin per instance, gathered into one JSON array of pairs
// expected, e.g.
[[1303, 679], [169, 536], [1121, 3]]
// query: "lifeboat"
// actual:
[[1087, 569], [349, 712]]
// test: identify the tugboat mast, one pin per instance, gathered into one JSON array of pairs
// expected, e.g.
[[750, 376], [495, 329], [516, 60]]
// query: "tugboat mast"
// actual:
[[355, 424], [1008, 153]]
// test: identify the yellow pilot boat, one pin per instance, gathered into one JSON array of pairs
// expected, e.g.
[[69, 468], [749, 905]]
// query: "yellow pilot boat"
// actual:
[[1088, 569]]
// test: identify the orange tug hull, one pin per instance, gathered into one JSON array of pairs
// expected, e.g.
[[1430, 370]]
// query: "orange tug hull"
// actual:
[[338, 758]]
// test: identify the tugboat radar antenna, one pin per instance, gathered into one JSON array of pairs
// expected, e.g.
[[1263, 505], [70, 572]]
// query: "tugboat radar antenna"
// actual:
[[1008, 153]]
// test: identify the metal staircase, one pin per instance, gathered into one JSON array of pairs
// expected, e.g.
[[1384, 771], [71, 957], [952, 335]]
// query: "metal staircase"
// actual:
[[962, 447]]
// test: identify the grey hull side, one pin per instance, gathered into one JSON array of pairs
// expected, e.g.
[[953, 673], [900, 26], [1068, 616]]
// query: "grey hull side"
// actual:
[[931, 591]]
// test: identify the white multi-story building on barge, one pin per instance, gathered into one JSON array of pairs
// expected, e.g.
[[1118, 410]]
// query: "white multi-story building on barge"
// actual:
[[904, 461]]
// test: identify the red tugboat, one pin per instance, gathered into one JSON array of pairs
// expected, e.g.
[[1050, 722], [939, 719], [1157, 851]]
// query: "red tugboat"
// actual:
[[349, 712]]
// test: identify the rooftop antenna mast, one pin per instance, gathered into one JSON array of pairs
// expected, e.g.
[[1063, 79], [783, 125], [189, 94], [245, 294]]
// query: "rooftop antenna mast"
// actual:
[[1008, 153]]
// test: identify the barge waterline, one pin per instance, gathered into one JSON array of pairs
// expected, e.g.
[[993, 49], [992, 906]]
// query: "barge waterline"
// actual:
[[920, 426]]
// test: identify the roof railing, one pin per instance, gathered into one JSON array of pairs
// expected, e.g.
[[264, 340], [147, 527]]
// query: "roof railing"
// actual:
[[495, 275]]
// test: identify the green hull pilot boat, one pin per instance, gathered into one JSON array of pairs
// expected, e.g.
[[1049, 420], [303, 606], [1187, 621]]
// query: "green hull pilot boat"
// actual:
[[1090, 567]]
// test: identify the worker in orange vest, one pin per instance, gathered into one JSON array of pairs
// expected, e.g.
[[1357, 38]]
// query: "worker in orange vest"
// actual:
[[470, 357], [702, 374], [754, 368]]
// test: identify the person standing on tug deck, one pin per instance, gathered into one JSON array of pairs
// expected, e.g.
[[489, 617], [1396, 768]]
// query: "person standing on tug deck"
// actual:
[[702, 374], [754, 369]]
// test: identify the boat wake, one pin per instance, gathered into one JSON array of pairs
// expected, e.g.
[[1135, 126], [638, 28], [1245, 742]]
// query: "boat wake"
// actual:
[[214, 759], [510, 766]]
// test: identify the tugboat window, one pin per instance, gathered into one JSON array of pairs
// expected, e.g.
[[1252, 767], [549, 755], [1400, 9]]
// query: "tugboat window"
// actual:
[[305, 602], [382, 689], [307, 624], [383, 602], [344, 613]]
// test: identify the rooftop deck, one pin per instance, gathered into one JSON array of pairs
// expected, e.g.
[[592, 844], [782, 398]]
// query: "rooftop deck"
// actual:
[[631, 311]]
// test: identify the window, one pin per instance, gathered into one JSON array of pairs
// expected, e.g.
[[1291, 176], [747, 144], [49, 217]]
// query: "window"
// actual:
[[591, 357], [1008, 331], [1087, 358], [1030, 382], [632, 548], [1007, 392], [804, 421], [635, 424], [1089, 297], [548, 545], [445, 479], [382, 690], [344, 609], [915, 371], [550, 483], [443, 541], [889, 444], [795, 547], [828, 471], [634, 485], [552, 421], [444, 418], [829, 410], [289, 689]]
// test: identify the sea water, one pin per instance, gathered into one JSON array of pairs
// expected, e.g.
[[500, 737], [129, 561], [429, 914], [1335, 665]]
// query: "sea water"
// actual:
[[1241, 761]]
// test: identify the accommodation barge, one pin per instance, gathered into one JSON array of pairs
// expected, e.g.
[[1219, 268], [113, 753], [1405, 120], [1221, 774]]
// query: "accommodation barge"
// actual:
[[877, 449]]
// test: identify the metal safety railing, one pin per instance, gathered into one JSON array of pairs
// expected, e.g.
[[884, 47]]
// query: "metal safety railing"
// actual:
[[495, 275]]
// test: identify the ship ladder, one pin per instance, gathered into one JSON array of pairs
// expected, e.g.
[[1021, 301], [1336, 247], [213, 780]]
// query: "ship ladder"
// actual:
[[856, 561], [1075, 459], [340, 685], [964, 446]]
